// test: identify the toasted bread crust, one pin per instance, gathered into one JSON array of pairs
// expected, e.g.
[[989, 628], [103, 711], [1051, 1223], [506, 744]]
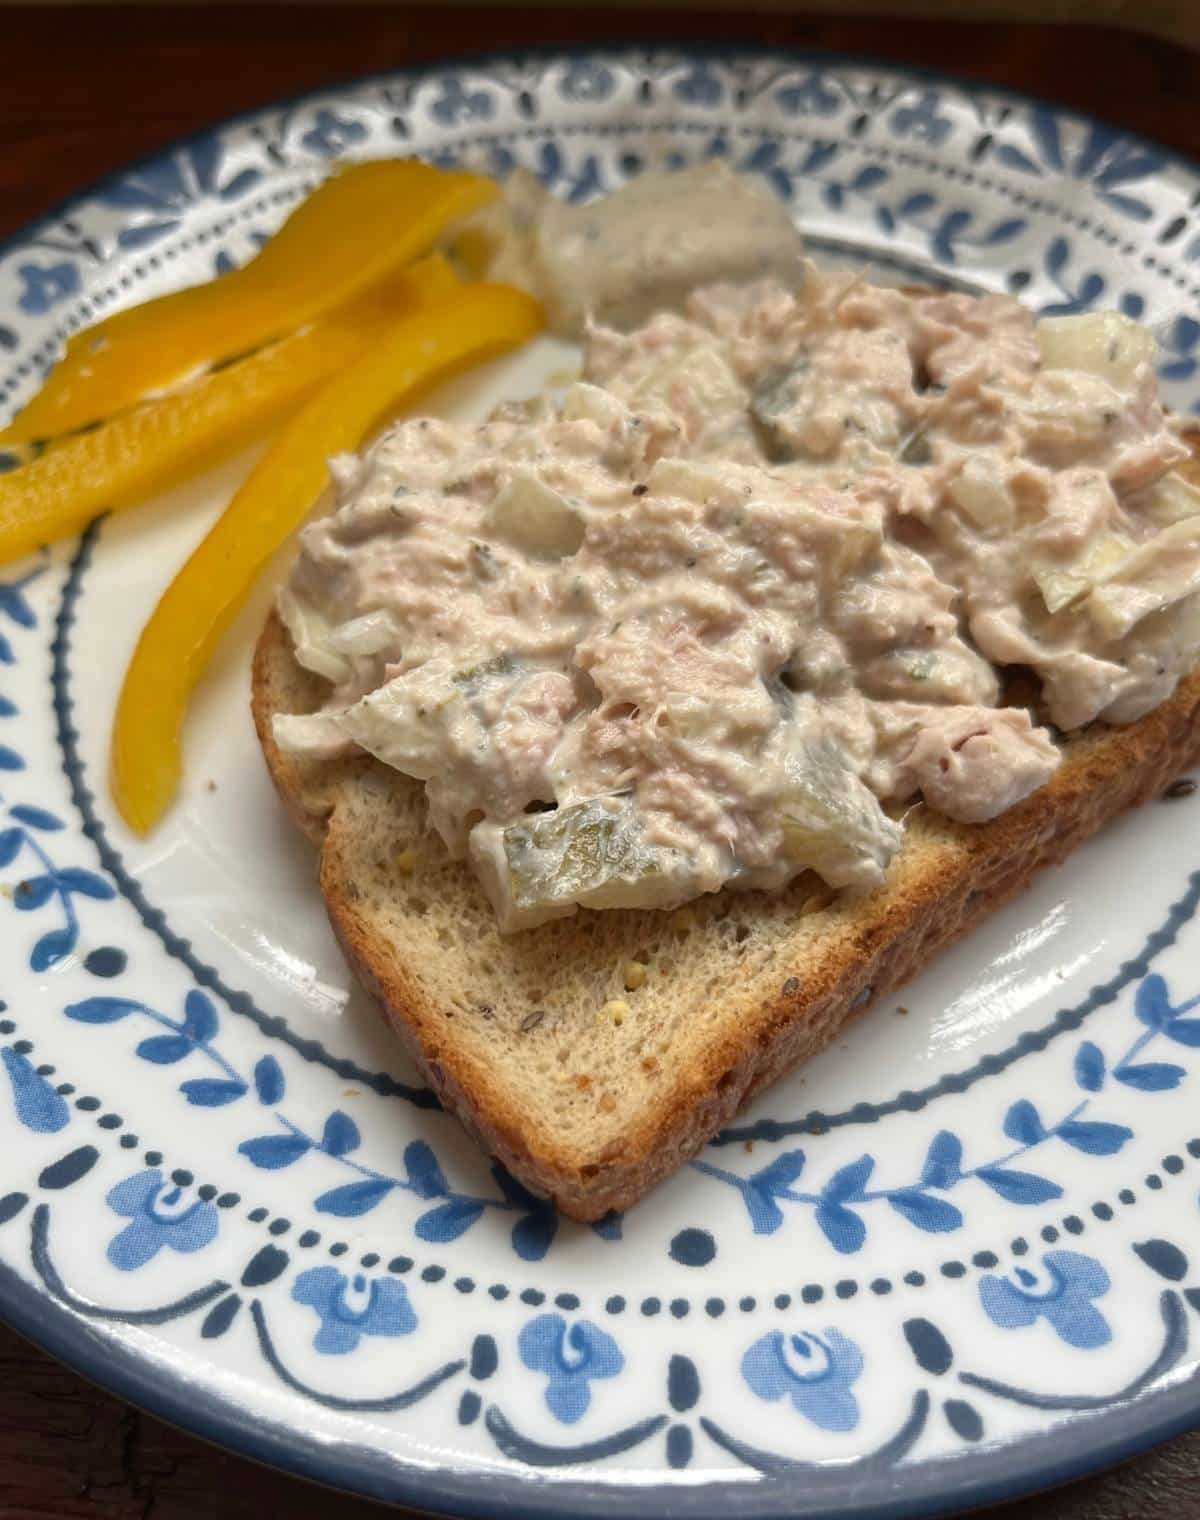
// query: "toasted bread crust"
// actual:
[[881, 942]]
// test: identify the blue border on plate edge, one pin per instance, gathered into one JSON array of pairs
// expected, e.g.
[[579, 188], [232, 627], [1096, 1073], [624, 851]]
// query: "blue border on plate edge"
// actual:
[[938, 1486], [935, 1486]]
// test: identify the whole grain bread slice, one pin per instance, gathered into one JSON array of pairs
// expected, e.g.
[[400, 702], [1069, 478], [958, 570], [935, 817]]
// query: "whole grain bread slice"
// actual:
[[591, 1103]]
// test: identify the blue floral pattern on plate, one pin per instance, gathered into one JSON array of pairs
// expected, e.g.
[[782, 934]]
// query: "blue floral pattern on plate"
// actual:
[[161, 1215], [1065, 1302], [45, 285], [571, 1357], [817, 1373], [350, 1308], [824, 1303]]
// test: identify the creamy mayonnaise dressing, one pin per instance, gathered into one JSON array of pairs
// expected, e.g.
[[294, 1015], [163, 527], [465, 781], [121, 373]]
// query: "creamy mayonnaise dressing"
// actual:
[[749, 580]]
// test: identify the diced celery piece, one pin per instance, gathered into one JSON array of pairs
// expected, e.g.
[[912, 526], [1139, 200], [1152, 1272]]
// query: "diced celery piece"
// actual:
[[310, 631], [404, 723], [369, 634], [311, 736], [422, 721], [536, 519], [1155, 575], [1186, 623], [1170, 499], [1062, 585], [686, 479], [1103, 343], [851, 544], [592, 403], [712, 386], [979, 491]]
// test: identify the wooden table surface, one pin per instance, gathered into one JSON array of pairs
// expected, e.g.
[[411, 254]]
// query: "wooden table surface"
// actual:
[[81, 91]]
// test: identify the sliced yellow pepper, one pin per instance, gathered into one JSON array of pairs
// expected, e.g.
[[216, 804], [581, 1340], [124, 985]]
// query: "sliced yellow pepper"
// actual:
[[356, 229], [200, 602], [157, 445]]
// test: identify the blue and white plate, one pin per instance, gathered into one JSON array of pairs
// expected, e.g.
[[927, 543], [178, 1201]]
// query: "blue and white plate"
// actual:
[[955, 1258]]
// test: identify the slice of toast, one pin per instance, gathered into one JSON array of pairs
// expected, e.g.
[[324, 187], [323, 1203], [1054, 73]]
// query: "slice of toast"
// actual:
[[592, 1104]]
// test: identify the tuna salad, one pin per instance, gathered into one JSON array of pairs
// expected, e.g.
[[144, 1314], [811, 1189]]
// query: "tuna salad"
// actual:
[[718, 615]]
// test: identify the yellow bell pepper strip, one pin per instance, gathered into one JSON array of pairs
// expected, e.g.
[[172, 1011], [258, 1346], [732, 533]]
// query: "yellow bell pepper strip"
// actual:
[[178, 641], [155, 446], [356, 229]]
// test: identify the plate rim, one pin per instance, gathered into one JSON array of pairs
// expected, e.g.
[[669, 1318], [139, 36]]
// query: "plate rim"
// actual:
[[978, 1478], [950, 1484]]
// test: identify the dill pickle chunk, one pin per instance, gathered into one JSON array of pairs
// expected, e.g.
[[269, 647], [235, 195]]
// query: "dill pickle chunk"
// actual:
[[587, 854], [831, 822]]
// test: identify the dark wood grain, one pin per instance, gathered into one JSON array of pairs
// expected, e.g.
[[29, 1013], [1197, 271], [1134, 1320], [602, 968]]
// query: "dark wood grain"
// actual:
[[83, 91], [86, 89]]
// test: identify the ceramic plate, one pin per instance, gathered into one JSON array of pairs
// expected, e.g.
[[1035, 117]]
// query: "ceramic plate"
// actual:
[[955, 1258]]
